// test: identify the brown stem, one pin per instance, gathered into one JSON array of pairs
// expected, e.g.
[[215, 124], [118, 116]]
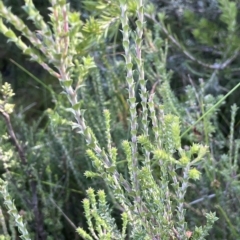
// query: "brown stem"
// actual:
[[39, 226], [13, 137]]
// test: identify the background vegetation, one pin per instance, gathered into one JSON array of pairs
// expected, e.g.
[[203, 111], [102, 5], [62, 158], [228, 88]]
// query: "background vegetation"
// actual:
[[191, 60]]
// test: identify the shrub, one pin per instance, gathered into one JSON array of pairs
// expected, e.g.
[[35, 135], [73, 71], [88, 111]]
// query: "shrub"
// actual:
[[147, 171]]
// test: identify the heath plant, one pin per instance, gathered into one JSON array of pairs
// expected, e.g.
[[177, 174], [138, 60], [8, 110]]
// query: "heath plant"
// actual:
[[159, 170]]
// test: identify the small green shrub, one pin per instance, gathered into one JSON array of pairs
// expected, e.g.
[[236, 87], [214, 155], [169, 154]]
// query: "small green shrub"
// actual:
[[132, 138]]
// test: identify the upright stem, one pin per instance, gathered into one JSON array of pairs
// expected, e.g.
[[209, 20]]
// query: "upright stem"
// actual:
[[133, 169]]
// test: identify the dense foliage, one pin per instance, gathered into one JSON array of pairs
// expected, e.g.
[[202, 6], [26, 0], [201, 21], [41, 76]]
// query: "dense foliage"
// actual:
[[152, 88]]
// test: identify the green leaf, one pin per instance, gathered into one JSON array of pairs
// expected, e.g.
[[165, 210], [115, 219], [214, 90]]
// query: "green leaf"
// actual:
[[67, 83], [78, 105]]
